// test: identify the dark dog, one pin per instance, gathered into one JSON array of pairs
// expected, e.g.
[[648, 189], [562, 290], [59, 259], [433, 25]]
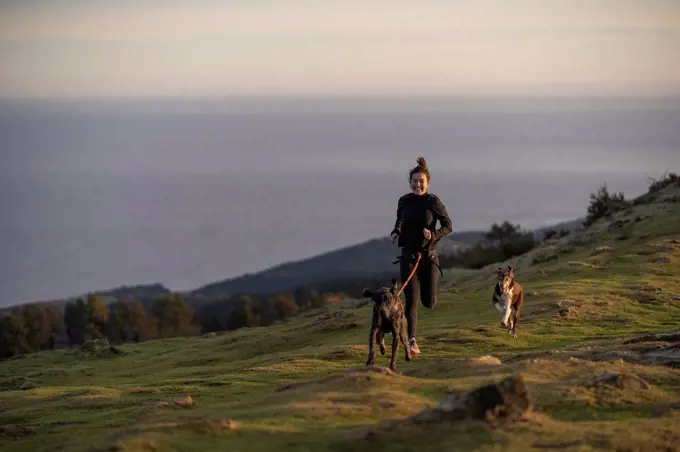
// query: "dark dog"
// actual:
[[508, 297], [388, 317]]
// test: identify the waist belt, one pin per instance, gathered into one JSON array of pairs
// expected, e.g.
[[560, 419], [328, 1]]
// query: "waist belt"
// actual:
[[412, 257]]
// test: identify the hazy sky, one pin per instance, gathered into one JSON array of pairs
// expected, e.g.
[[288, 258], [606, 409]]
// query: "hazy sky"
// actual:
[[81, 48]]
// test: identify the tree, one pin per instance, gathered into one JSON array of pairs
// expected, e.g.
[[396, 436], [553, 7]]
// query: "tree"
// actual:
[[174, 316], [27, 330], [15, 333], [243, 314], [130, 322], [307, 297], [76, 319], [6, 348], [97, 315], [142, 326], [37, 326], [501, 233], [603, 204], [284, 306]]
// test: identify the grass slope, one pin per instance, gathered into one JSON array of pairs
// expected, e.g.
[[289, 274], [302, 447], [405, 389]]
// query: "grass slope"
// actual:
[[301, 385]]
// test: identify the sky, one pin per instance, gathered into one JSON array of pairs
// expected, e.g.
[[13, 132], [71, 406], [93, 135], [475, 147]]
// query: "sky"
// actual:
[[172, 48]]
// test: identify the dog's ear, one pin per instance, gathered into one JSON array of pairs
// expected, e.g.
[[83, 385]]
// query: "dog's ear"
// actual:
[[510, 269], [394, 286]]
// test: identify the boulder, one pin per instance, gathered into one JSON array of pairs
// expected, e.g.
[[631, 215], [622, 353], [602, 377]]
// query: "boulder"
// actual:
[[506, 401]]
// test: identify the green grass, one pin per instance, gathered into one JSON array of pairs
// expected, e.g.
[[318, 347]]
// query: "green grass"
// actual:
[[87, 403]]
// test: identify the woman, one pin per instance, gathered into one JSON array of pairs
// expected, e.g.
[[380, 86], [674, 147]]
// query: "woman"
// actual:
[[417, 215]]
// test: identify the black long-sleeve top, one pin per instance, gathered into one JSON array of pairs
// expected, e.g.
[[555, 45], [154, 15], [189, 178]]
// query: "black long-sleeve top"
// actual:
[[415, 213]]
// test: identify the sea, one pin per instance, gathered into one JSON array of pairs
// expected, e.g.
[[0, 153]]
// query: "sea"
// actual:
[[95, 194]]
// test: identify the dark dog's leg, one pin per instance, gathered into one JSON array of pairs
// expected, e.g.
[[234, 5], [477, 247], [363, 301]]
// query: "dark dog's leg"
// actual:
[[381, 342], [371, 346], [395, 349], [404, 340]]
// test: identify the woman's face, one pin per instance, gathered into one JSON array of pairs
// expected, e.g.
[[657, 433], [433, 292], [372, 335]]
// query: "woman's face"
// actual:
[[419, 183]]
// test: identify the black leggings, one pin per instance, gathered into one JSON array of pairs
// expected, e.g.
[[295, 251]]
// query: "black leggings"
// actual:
[[422, 285]]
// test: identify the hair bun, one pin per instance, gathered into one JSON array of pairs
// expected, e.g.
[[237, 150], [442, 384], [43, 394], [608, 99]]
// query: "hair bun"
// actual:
[[421, 162]]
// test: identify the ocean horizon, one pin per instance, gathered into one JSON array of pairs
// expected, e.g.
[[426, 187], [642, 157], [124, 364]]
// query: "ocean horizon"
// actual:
[[99, 195]]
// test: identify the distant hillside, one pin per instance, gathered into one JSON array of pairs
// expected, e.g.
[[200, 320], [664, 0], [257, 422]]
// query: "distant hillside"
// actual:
[[142, 292], [363, 259], [568, 225], [368, 259]]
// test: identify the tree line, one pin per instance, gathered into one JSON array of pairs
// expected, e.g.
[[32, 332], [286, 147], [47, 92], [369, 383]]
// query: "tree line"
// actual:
[[46, 326]]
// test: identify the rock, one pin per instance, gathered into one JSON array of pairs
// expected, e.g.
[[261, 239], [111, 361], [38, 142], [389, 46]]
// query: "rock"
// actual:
[[545, 256], [673, 336], [213, 427], [614, 225], [211, 334], [185, 402], [16, 431], [621, 381], [564, 312], [602, 249], [26, 386], [662, 260], [487, 360], [667, 356], [505, 401], [99, 347]]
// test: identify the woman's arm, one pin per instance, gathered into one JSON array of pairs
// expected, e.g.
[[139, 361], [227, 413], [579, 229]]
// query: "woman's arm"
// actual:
[[398, 222], [440, 213]]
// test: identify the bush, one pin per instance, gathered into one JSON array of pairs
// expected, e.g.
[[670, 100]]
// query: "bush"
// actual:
[[518, 244], [666, 180], [504, 241], [474, 257], [555, 233], [603, 204], [655, 186]]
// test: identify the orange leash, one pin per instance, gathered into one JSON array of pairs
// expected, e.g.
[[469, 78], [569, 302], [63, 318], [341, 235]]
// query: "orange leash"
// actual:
[[411, 275]]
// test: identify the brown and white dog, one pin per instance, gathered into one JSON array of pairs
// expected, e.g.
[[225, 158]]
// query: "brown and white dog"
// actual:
[[508, 297]]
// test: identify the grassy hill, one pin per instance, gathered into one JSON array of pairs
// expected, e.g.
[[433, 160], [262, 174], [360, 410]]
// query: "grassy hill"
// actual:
[[592, 297]]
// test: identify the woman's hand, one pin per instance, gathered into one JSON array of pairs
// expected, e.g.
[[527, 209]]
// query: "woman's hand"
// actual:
[[427, 233], [394, 237]]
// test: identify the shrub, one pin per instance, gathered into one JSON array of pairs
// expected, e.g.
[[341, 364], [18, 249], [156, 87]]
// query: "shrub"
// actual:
[[603, 204], [549, 234], [504, 241], [666, 180]]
